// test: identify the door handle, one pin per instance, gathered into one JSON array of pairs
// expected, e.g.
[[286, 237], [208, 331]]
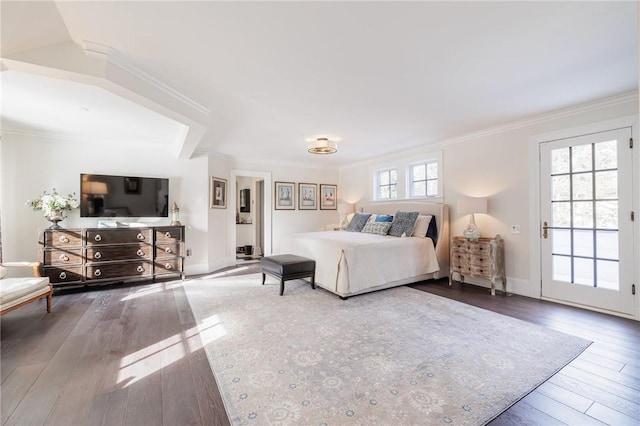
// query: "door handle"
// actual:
[[545, 233]]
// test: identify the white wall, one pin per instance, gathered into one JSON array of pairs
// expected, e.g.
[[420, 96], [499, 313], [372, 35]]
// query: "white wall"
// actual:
[[495, 165], [31, 165]]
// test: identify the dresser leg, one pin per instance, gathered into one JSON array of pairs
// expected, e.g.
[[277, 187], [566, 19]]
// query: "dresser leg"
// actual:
[[493, 287]]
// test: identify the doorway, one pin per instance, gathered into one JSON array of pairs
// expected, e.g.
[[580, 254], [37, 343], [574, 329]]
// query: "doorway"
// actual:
[[256, 211], [586, 204]]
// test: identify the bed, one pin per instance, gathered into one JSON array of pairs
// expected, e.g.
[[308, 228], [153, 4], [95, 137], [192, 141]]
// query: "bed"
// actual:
[[351, 263]]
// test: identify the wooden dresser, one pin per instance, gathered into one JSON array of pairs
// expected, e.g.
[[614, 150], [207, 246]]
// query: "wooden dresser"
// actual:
[[483, 258], [89, 256]]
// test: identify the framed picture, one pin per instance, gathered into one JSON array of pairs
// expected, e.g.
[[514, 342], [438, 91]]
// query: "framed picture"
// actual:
[[218, 193], [132, 185], [285, 196], [328, 197], [307, 196]]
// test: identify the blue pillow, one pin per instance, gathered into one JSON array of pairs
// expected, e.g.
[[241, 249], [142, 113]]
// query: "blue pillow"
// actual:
[[357, 222], [384, 218]]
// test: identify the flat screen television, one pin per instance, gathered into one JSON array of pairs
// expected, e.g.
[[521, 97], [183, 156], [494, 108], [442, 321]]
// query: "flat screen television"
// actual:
[[123, 196]]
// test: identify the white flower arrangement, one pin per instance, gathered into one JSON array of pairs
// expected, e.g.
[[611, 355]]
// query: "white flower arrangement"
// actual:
[[49, 203]]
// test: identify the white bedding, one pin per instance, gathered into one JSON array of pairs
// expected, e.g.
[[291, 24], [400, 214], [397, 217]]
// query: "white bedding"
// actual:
[[350, 263]]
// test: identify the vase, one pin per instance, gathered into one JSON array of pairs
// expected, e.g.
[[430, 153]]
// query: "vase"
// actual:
[[55, 217]]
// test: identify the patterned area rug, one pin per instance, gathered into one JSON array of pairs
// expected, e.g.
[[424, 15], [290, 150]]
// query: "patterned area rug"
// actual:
[[398, 356]]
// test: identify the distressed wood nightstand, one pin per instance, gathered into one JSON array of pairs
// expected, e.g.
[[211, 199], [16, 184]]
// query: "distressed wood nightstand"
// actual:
[[483, 258]]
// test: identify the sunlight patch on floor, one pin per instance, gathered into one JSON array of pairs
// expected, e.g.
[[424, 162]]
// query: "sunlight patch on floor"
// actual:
[[153, 358]]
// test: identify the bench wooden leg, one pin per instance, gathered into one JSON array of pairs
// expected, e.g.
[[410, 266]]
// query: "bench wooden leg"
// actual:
[[263, 277], [281, 286], [49, 303], [313, 281]]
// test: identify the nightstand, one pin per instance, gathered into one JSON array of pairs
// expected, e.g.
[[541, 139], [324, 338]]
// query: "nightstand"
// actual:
[[483, 258]]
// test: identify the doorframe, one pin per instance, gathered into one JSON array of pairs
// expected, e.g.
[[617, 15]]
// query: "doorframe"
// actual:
[[266, 209], [535, 262]]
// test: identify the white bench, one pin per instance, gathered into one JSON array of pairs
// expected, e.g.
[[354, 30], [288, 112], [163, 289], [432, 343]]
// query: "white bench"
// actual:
[[20, 291]]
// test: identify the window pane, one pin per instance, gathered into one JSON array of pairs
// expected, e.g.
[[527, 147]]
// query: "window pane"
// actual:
[[394, 192], [419, 189], [583, 214], [608, 275], [418, 172], [582, 186], [393, 176], [607, 214], [581, 158], [560, 161], [432, 188], [607, 244], [561, 240], [560, 188], [562, 268], [583, 271], [607, 185], [383, 178], [432, 171], [583, 243], [606, 155], [383, 192], [561, 215]]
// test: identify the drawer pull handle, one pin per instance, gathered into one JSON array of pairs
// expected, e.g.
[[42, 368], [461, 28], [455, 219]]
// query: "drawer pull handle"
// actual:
[[168, 266], [168, 250], [63, 239], [140, 236], [63, 275], [140, 269], [64, 257], [97, 272], [140, 252], [167, 234], [98, 255], [98, 237]]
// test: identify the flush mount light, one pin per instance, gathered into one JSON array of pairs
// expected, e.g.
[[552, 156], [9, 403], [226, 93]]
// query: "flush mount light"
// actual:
[[322, 145]]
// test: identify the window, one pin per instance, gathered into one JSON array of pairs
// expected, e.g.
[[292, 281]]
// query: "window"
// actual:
[[423, 179], [386, 184]]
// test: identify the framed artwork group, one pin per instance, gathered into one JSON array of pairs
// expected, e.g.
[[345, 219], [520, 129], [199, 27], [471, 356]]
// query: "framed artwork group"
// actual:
[[309, 196]]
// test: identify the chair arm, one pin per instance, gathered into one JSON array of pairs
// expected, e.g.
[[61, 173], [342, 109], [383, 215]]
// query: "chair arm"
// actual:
[[36, 266]]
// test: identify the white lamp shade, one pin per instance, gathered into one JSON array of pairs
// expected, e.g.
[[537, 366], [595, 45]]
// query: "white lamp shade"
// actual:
[[472, 205], [345, 208], [94, 188]]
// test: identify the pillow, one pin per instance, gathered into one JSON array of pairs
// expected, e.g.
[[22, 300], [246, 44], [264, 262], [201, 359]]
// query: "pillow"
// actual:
[[357, 222], [403, 224], [432, 232], [384, 218], [381, 228], [372, 218], [3, 272], [422, 224]]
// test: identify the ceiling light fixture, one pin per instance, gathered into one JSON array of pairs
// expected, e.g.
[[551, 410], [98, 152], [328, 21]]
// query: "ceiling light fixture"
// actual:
[[322, 145]]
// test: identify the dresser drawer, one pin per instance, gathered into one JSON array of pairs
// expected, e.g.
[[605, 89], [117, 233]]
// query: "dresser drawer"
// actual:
[[119, 236], [61, 238], [119, 270], [106, 253], [168, 250], [63, 274], [168, 266], [69, 256], [459, 245], [481, 271], [479, 248], [168, 234]]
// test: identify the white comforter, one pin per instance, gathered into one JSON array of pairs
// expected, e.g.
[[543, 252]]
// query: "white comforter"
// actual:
[[352, 262]]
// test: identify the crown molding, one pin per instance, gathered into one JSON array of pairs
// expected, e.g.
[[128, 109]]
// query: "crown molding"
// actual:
[[116, 58], [607, 102]]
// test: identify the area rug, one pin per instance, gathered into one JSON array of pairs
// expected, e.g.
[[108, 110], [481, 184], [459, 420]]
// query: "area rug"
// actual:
[[394, 357]]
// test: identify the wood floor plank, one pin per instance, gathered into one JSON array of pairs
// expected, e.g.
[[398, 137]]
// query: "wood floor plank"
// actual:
[[559, 411], [610, 416], [16, 387], [524, 414], [565, 396]]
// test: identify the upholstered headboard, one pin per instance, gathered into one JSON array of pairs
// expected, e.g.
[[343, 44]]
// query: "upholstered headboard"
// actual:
[[439, 211]]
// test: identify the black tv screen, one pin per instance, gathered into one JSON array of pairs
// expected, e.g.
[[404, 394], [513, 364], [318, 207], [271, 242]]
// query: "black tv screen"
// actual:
[[123, 196]]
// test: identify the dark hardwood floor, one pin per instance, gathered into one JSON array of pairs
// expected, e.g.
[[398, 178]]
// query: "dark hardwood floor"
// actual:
[[131, 355]]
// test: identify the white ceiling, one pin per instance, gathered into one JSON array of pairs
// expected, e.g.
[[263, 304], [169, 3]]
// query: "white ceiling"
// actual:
[[381, 76]]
